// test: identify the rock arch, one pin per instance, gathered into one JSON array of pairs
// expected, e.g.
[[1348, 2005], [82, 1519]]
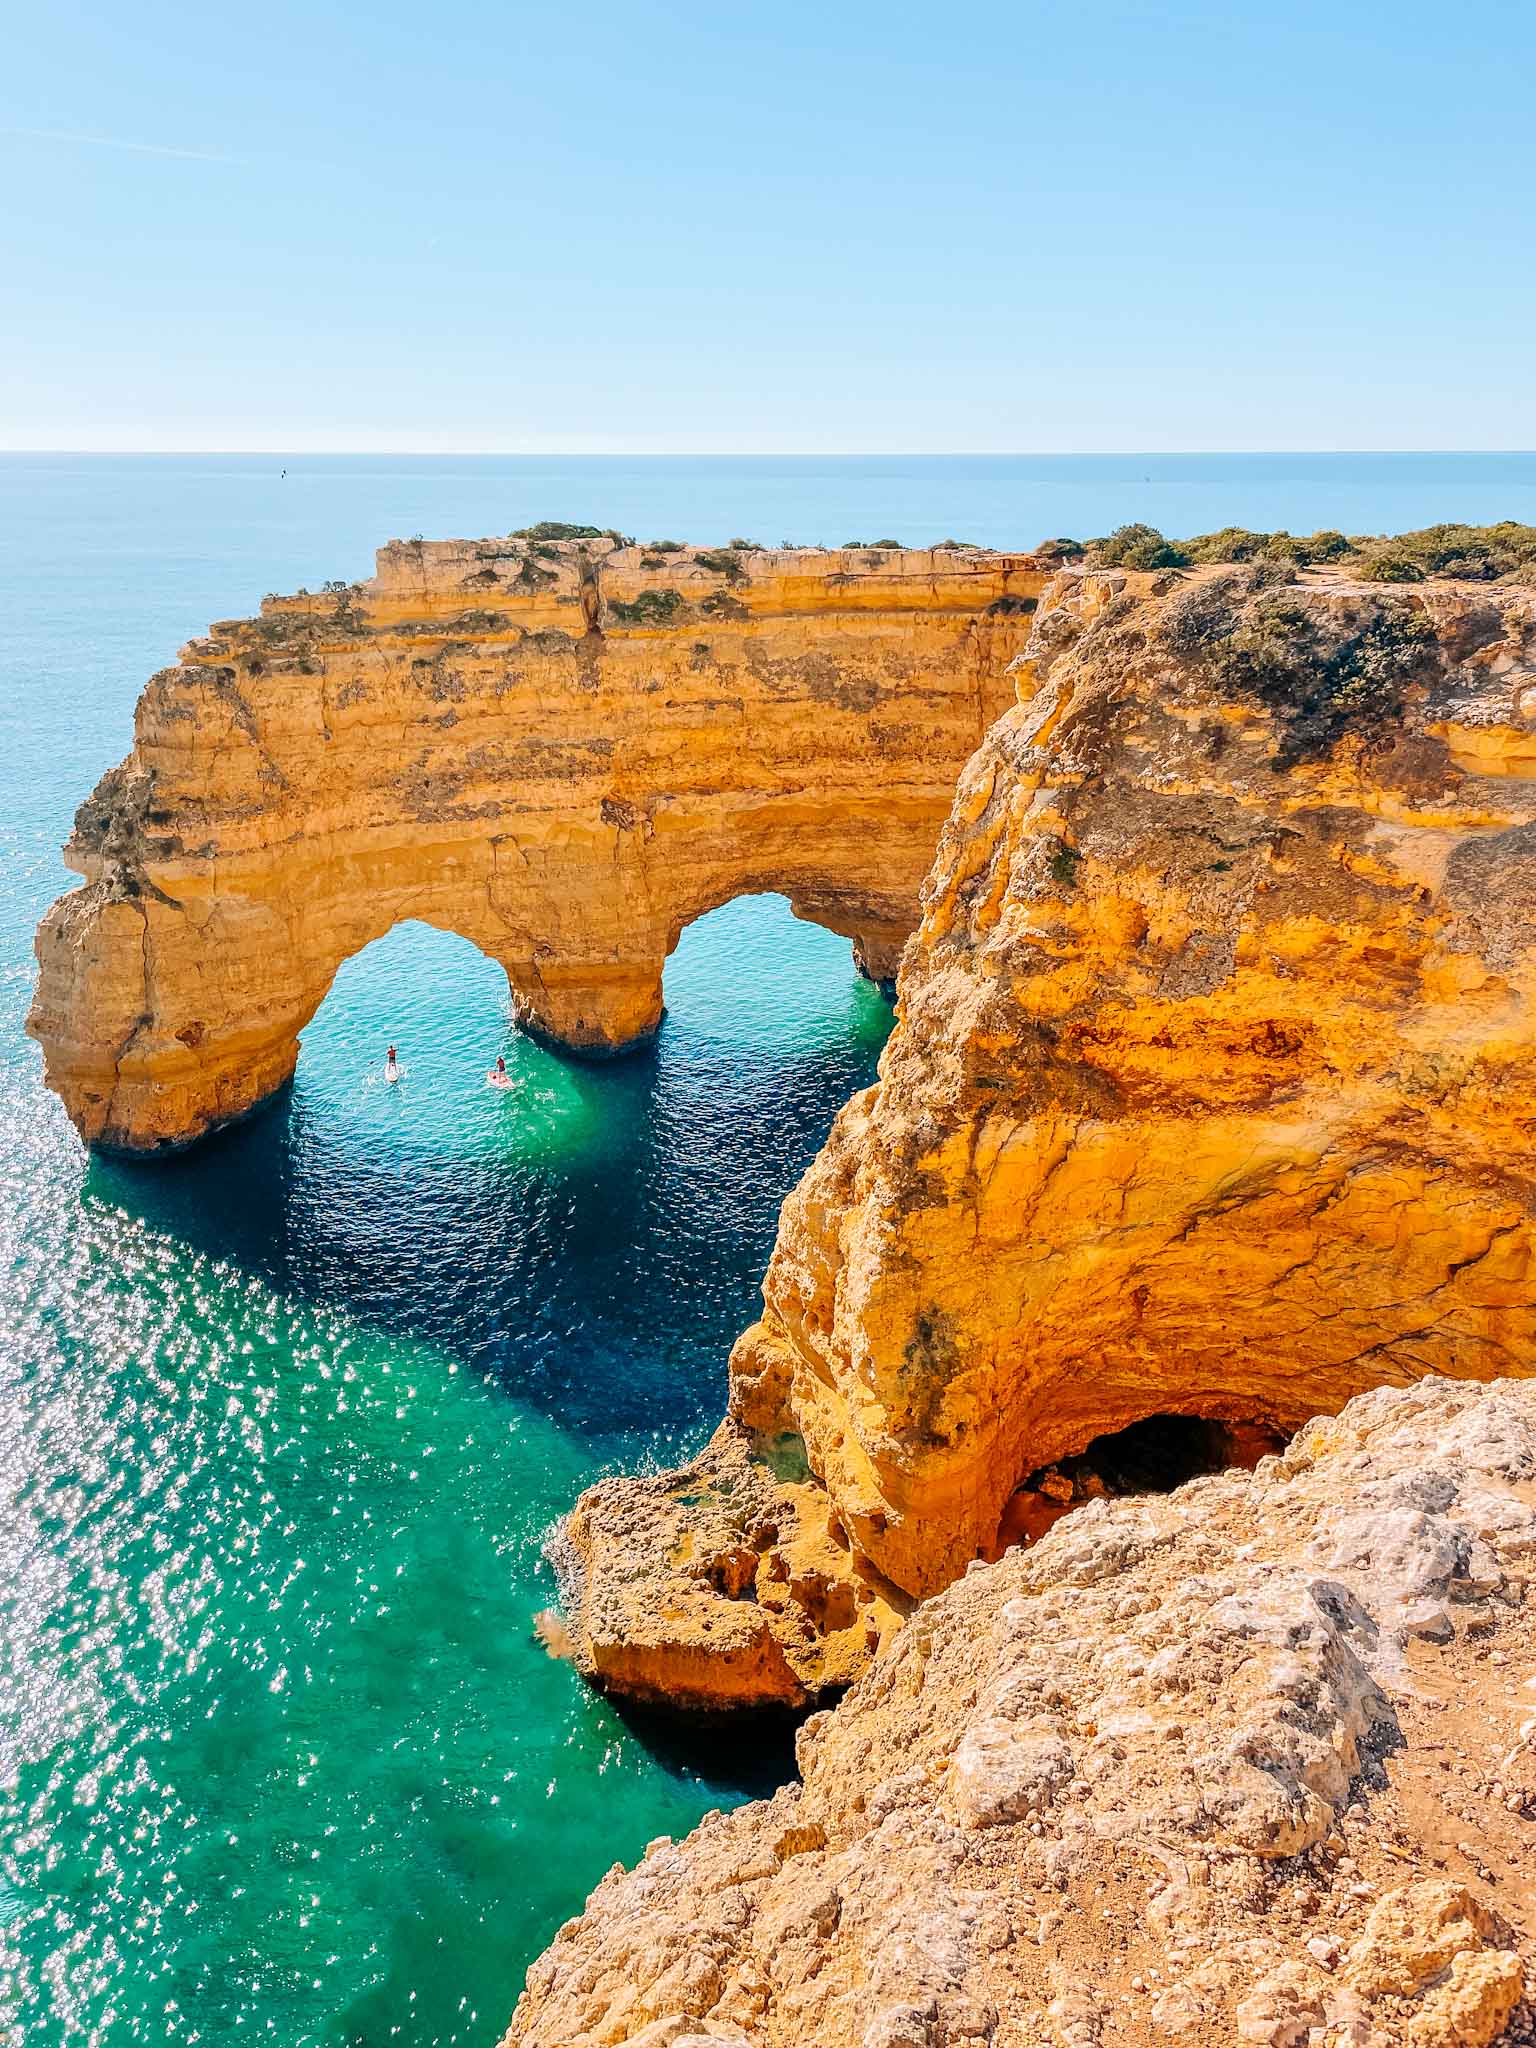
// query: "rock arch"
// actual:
[[564, 751]]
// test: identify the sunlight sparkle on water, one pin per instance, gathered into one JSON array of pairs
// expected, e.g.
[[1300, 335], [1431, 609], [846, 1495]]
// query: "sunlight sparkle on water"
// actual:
[[285, 1427]]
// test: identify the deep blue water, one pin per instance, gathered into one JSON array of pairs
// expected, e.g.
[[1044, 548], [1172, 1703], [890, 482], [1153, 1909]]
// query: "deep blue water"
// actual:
[[283, 1424]]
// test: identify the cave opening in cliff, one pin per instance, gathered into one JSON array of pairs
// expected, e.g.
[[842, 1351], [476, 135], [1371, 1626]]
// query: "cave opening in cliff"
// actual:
[[1154, 1455]]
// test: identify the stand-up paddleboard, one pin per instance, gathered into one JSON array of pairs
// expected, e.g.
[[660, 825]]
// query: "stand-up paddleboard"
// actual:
[[495, 1080]]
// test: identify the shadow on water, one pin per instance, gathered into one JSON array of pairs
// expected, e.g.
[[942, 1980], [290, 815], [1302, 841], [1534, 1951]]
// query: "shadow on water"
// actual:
[[592, 1242], [285, 1563], [750, 1754]]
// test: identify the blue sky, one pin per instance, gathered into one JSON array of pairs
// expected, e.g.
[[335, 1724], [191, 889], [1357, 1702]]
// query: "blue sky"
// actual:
[[777, 227]]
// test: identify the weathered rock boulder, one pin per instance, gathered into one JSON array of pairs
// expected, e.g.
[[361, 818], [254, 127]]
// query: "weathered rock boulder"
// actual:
[[562, 750], [1212, 1091], [1190, 1769], [727, 1583]]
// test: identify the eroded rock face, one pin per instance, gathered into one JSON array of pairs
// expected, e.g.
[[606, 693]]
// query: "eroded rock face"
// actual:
[[1192, 1768], [727, 1583], [1211, 1090], [562, 751]]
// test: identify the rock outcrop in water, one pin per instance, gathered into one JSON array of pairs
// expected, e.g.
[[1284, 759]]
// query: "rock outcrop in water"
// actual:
[[1212, 1094], [1251, 1762], [563, 750]]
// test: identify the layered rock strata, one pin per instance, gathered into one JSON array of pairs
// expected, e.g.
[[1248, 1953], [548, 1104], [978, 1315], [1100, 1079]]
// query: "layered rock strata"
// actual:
[[1211, 1094], [563, 751], [1254, 1761]]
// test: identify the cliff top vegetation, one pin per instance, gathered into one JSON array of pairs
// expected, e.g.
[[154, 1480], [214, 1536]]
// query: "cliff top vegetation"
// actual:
[[1479, 554]]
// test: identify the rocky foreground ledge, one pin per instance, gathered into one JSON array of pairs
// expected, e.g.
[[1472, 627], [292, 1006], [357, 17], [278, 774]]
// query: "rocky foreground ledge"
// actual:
[[1253, 1761]]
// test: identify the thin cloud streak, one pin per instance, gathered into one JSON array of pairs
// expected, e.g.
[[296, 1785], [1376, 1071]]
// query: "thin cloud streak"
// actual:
[[202, 156]]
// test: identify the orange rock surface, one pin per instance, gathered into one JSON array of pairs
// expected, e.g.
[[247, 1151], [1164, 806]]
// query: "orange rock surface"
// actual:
[[563, 751], [1250, 1764], [1212, 1092], [728, 1583]]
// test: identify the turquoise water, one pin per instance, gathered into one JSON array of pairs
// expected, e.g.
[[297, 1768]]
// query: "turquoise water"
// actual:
[[284, 1424]]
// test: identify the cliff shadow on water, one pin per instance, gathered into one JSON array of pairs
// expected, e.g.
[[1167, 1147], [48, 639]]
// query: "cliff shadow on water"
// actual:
[[589, 1239]]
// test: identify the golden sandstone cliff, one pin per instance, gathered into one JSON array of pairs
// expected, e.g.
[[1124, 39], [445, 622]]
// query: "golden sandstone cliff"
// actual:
[[562, 749], [1252, 1762], [1211, 1095], [1209, 1107]]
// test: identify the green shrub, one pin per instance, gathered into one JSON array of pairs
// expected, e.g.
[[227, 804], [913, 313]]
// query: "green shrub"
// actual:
[[1227, 544], [1324, 673], [1153, 554], [1065, 862], [1391, 566], [650, 608], [1240, 544], [723, 562], [1478, 554], [1326, 545], [1135, 547]]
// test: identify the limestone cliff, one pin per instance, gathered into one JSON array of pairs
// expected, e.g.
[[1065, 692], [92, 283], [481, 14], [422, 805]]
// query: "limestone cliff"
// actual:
[[564, 750], [1211, 1094], [1254, 1761]]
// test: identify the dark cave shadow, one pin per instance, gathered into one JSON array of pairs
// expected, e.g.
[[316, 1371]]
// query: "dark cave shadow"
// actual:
[[751, 1752]]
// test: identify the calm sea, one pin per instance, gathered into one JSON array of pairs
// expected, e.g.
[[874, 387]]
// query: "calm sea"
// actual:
[[283, 1425]]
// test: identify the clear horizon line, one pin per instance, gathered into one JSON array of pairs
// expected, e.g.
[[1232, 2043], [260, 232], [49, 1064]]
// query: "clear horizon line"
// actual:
[[756, 454]]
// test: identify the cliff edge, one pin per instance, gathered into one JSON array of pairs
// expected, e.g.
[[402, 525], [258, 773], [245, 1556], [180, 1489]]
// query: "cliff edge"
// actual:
[[1210, 1097]]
